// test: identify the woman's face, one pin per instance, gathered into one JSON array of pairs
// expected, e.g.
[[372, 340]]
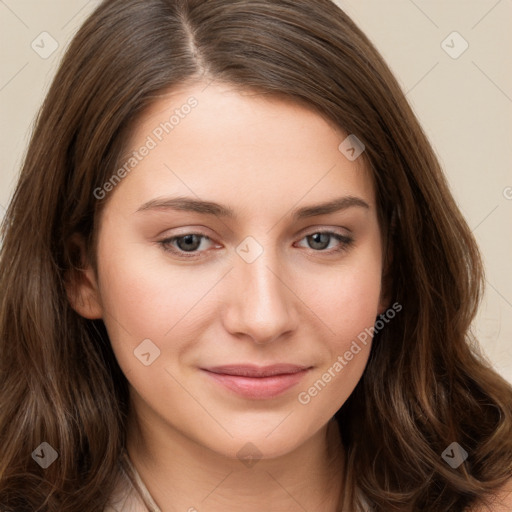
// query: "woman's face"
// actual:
[[232, 317]]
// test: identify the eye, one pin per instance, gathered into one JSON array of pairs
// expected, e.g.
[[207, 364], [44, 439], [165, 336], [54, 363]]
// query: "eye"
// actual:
[[188, 243], [319, 241]]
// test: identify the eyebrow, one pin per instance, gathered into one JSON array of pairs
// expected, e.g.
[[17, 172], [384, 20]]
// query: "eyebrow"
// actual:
[[189, 204]]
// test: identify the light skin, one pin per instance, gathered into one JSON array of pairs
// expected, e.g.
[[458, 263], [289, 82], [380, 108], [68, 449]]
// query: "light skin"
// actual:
[[299, 302]]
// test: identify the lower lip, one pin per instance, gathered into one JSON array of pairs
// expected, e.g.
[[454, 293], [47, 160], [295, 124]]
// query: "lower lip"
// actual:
[[258, 388]]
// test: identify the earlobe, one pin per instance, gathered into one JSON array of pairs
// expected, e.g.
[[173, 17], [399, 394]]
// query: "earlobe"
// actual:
[[81, 281]]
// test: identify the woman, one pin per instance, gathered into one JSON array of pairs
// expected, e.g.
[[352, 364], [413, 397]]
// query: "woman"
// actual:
[[179, 334]]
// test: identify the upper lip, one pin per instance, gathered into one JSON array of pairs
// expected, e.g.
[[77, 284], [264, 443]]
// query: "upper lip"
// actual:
[[249, 370]]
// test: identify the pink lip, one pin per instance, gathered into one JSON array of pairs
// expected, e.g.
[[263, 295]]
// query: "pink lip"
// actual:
[[257, 382]]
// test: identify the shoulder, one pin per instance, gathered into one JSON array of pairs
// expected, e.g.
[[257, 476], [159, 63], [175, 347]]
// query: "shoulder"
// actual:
[[501, 501]]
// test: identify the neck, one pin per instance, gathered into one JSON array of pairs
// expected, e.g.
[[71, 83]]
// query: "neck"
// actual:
[[182, 475]]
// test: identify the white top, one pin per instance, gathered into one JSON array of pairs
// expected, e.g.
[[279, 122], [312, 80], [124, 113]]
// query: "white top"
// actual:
[[130, 494]]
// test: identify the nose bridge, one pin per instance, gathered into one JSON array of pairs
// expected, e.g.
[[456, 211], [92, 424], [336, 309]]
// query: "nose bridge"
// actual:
[[262, 304]]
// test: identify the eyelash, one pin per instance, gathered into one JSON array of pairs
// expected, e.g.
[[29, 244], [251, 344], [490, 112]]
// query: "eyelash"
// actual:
[[345, 243]]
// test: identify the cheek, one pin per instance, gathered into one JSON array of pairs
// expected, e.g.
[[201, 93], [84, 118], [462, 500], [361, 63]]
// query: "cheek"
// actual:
[[355, 297], [346, 298], [348, 304], [145, 297], [142, 300]]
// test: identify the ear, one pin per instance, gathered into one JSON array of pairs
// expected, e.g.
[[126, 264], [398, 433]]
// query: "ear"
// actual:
[[81, 281]]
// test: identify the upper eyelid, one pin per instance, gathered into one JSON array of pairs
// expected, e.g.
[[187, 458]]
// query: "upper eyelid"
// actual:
[[302, 232]]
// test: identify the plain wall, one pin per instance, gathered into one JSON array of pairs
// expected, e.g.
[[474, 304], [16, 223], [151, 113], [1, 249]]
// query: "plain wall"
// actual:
[[464, 103]]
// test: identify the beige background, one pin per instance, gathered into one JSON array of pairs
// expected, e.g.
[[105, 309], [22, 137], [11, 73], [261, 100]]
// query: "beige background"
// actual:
[[464, 104]]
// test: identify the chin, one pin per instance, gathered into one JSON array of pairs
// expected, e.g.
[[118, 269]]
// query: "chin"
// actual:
[[268, 440]]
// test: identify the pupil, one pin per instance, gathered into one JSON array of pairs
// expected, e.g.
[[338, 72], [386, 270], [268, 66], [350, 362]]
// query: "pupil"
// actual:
[[316, 240], [189, 239]]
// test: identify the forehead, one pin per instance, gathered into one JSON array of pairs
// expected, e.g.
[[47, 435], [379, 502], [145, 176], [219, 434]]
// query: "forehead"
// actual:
[[218, 141]]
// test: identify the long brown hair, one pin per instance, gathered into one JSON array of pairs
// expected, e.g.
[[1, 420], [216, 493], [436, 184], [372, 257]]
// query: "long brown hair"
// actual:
[[425, 384]]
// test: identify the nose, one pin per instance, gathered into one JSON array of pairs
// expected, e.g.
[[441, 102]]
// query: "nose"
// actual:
[[261, 304]]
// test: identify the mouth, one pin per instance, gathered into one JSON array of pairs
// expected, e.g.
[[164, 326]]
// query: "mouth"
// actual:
[[257, 382]]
